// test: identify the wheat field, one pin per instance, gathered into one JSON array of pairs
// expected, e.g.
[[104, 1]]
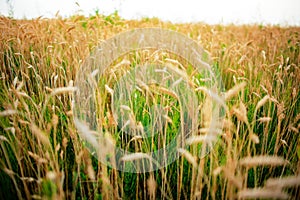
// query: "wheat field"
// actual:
[[257, 155]]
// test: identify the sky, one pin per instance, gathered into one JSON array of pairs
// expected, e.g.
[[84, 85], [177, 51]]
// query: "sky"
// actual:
[[282, 12]]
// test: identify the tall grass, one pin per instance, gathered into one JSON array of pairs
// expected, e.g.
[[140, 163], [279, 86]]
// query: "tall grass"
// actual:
[[42, 155]]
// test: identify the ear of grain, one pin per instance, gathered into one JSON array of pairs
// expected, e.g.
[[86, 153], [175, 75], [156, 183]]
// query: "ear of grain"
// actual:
[[254, 138], [206, 111], [3, 138], [176, 63], [227, 124], [264, 119], [28, 179], [90, 171], [109, 90], [234, 91], [86, 133], [235, 180], [36, 157], [63, 90], [168, 92], [289, 181], [214, 96], [214, 131], [136, 138], [262, 102], [200, 139], [241, 112], [189, 157], [263, 160], [40, 135], [125, 107], [51, 175], [135, 156], [262, 193], [8, 112], [168, 119], [139, 156], [152, 185], [94, 73], [176, 82], [217, 171]]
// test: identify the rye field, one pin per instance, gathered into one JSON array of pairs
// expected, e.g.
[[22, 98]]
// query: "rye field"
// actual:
[[43, 156]]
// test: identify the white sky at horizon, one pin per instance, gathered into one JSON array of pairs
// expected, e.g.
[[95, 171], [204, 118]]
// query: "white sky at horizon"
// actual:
[[283, 12]]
